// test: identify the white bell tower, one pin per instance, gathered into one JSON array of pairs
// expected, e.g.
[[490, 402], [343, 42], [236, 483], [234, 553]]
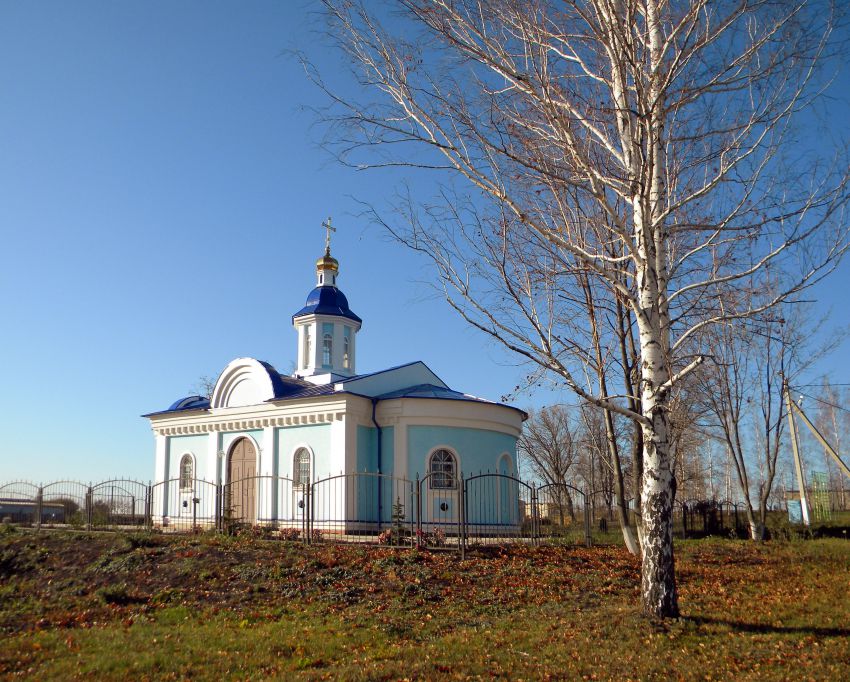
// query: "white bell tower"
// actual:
[[326, 326]]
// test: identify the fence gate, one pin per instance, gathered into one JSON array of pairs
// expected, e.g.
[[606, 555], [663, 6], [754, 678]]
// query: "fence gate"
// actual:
[[121, 503], [439, 509], [362, 507], [563, 514], [183, 504], [498, 508]]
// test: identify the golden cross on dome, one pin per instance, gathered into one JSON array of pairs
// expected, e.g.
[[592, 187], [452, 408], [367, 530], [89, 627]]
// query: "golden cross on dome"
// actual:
[[328, 229]]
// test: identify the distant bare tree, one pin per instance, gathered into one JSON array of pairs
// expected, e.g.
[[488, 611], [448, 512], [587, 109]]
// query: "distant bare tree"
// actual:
[[205, 387], [833, 421], [687, 443], [548, 445], [594, 457], [741, 391]]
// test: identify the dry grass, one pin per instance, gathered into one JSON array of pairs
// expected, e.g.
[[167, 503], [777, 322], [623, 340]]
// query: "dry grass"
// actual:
[[119, 607]]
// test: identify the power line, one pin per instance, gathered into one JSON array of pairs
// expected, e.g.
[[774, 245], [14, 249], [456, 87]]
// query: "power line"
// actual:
[[824, 402], [829, 385]]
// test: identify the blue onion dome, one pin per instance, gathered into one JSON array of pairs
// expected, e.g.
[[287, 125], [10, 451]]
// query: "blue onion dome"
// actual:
[[327, 300]]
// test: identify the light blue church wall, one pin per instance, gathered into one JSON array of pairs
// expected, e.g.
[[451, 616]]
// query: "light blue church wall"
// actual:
[[193, 445], [477, 449], [171, 499], [367, 449], [288, 498], [490, 500], [317, 438], [375, 495]]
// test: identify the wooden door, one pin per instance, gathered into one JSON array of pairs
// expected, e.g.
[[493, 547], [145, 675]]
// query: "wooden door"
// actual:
[[242, 482]]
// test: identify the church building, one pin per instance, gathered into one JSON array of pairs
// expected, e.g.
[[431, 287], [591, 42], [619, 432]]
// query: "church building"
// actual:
[[264, 435]]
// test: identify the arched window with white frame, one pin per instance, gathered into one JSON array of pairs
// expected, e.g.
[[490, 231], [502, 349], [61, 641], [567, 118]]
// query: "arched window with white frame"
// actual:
[[346, 348], [187, 472], [443, 469], [506, 466], [301, 468], [327, 345]]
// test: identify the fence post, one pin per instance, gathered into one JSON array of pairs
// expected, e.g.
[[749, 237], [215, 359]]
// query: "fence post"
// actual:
[[588, 538], [412, 513], [275, 501], [148, 520], [462, 517], [532, 505], [311, 510], [307, 515], [89, 508], [304, 507], [39, 505], [415, 539]]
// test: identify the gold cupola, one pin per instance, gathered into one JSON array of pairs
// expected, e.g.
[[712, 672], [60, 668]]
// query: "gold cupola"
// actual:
[[327, 266], [327, 262]]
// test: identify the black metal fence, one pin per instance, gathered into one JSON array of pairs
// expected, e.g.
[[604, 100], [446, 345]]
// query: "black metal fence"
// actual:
[[438, 510], [702, 518]]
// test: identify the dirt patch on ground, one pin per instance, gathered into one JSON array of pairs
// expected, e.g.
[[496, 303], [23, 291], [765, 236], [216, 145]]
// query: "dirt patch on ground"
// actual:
[[77, 579]]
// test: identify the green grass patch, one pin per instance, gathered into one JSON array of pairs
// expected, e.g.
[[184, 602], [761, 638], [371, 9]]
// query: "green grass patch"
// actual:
[[258, 609]]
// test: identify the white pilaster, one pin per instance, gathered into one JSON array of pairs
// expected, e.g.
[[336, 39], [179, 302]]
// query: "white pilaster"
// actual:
[[270, 462], [400, 449], [211, 472], [160, 458]]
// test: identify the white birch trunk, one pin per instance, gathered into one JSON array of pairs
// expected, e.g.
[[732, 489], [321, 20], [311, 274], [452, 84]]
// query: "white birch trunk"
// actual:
[[658, 580], [658, 583]]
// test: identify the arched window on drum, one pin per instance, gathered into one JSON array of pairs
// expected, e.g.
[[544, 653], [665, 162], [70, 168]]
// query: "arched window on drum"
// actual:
[[443, 469]]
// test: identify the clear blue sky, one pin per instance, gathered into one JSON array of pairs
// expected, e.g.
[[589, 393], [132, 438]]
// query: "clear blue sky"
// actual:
[[162, 194]]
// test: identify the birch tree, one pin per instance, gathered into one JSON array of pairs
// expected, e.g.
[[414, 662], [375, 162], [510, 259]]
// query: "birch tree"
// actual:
[[649, 143]]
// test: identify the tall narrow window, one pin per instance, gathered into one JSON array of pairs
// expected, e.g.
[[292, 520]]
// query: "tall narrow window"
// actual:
[[306, 359], [327, 344], [441, 466], [186, 472], [346, 347], [301, 468]]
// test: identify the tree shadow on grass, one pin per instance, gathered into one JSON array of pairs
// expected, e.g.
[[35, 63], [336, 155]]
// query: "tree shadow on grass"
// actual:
[[766, 628]]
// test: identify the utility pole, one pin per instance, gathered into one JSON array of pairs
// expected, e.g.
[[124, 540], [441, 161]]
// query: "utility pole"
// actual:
[[826, 446], [798, 464]]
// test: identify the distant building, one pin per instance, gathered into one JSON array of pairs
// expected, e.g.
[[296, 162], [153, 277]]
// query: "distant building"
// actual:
[[26, 511]]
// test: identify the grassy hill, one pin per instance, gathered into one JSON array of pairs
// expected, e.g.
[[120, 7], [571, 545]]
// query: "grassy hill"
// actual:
[[75, 605]]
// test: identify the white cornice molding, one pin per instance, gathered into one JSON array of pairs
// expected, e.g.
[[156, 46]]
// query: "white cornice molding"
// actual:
[[338, 408], [451, 413], [234, 425], [297, 413], [314, 318]]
